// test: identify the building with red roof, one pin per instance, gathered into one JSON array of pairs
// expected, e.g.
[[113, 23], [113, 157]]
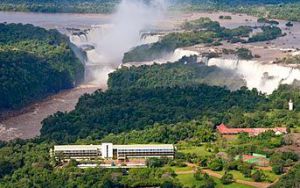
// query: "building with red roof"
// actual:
[[225, 130]]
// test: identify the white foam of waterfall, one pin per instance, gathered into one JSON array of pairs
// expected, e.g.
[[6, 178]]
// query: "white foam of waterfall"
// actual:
[[265, 77], [173, 57], [123, 33], [148, 39]]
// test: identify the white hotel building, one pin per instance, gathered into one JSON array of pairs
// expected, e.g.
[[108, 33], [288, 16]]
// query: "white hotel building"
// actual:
[[110, 151]]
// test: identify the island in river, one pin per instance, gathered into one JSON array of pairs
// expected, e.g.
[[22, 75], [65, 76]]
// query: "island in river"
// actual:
[[26, 123]]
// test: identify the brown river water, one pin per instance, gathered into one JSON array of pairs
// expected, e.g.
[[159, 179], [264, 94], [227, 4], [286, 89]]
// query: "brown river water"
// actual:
[[26, 123]]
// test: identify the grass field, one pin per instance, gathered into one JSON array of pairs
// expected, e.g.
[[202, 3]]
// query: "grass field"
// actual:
[[238, 175], [271, 175], [296, 129], [188, 180], [180, 169], [199, 150]]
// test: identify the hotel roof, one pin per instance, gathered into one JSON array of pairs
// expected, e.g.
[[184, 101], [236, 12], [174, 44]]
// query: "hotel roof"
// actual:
[[146, 146], [98, 147], [223, 129], [76, 147]]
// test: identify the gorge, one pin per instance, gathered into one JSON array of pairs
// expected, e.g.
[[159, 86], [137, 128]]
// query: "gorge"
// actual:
[[89, 33]]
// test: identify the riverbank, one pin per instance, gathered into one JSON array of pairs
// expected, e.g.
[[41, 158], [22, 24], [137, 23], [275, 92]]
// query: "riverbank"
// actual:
[[27, 123]]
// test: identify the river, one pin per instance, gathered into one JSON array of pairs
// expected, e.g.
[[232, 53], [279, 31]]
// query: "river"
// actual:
[[27, 122], [57, 20]]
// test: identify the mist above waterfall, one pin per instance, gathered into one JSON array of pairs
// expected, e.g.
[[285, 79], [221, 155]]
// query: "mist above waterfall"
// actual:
[[131, 18], [122, 33]]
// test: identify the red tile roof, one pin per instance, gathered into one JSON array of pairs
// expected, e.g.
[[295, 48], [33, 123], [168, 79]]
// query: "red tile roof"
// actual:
[[247, 157], [223, 129]]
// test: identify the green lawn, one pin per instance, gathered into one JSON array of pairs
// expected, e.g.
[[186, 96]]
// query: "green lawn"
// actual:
[[296, 129], [180, 169], [238, 175], [199, 150], [188, 180], [271, 175]]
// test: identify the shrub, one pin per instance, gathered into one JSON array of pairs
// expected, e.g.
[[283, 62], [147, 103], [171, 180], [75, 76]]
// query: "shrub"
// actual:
[[155, 162], [245, 169], [244, 53], [233, 165], [258, 176], [227, 178], [198, 176], [277, 169], [208, 182], [179, 163], [72, 163], [216, 164]]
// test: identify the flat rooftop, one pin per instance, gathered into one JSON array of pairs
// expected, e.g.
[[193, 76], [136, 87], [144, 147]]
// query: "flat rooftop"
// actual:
[[98, 147], [76, 147], [144, 146]]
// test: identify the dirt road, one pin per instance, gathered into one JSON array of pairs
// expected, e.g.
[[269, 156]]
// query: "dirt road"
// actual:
[[219, 176]]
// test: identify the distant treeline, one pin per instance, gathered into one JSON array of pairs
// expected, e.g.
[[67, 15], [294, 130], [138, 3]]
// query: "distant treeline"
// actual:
[[56, 6], [34, 62], [281, 9], [277, 9]]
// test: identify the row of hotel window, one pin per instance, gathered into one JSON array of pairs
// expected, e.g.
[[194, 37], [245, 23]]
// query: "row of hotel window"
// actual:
[[120, 150], [145, 150]]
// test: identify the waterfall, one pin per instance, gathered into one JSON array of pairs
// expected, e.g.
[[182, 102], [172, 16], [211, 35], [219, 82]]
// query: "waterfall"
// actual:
[[172, 57], [263, 76]]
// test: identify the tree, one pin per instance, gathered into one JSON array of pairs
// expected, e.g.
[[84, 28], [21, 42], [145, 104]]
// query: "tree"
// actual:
[[277, 169], [5, 168], [233, 165], [72, 163], [245, 169], [227, 178], [170, 184], [207, 182], [258, 176], [216, 164], [40, 62], [291, 179], [244, 53], [155, 162], [198, 175]]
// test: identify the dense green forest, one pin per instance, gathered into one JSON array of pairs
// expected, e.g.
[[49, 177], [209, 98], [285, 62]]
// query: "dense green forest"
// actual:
[[291, 179], [165, 110], [56, 6], [34, 62], [133, 108], [200, 31], [27, 164], [179, 103], [280, 9], [146, 99], [182, 73], [275, 9]]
